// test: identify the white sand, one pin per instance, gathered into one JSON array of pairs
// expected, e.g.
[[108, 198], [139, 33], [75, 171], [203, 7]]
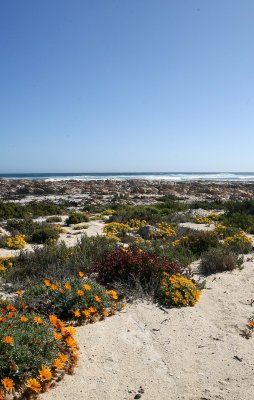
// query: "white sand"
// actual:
[[182, 354]]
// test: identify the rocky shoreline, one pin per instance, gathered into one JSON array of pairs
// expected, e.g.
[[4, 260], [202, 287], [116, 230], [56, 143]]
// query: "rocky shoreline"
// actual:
[[127, 191]]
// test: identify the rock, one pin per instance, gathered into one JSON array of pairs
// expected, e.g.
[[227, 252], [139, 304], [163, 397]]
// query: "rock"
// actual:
[[147, 231]]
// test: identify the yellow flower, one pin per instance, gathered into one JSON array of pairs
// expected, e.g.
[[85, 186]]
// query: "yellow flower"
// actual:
[[81, 274], [19, 292], [23, 318], [54, 286], [105, 313], [8, 384], [34, 385], [87, 287], [71, 330], [92, 309], [38, 320], [45, 374], [97, 299], [8, 339], [80, 293], [47, 282]]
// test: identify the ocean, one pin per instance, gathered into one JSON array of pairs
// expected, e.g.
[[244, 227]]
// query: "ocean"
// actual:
[[165, 176]]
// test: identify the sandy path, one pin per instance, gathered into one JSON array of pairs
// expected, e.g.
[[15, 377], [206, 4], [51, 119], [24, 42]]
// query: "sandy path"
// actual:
[[185, 354]]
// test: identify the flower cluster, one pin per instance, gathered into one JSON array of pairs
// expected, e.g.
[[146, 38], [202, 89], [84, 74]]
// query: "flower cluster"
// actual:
[[113, 228], [239, 242], [180, 242], [33, 351], [135, 223], [79, 299], [208, 219], [6, 263], [164, 230], [176, 290], [15, 242], [223, 231]]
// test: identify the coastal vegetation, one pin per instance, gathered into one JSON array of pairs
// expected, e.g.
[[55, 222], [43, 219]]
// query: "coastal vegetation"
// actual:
[[145, 251]]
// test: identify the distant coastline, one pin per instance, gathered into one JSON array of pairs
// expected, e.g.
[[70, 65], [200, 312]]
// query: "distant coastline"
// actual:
[[150, 176]]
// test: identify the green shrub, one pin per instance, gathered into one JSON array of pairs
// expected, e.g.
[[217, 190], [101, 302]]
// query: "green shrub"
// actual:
[[22, 226], [197, 241], [44, 234], [57, 261], [31, 210], [28, 345], [77, 218], [54, 219], [219, 260], [77, 298]]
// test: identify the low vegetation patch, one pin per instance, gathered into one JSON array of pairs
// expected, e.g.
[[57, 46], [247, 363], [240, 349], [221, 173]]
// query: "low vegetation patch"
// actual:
[[219, 260], [77, 218], [34, 351], [177, 290], [77, 299]]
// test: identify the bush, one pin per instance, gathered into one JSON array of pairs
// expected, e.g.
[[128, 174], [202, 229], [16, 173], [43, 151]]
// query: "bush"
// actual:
[[79, 299], [32, 210], [239, 243], [54, 219], [6, 263], [45, 234], [57, 261], [77, 218], [197, 241], [219, 260], [33, 350], [134, 267], [177, 290], [22, 226]]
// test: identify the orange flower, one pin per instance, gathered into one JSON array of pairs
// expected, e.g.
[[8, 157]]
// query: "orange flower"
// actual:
[[19, 292], [61, 291], [92, 310], [38, 320], [2, 397], [57, 336], [71, 342], [53, 319], [81, 274], [86, 313], [67, 286], [45, 374], [8, 339], [77, 313], [71, 330], [63, 358], [8, 384], [34, 385], [47, 282], [251, 323], [97, 299], [54, 286], [105, 313], [87, 287], [80, 293], [58, 364], [10, 308], [23, 318]]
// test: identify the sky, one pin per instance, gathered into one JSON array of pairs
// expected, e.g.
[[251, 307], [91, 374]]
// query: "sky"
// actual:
[[126, 85]]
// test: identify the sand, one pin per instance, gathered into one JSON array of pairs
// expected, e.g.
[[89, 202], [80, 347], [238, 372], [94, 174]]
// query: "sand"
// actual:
[[178, 354]]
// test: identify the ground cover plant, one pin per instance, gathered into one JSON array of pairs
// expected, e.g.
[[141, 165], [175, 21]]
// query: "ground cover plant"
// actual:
[[77, 218], [196, 241], [33, 209], [56, 261], [133, 267], [177, 290], [77, 299], [5, 264], [219, 260], [15, 242], [34, 350]]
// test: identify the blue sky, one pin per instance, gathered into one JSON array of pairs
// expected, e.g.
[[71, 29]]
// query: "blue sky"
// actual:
[[126, 85]]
